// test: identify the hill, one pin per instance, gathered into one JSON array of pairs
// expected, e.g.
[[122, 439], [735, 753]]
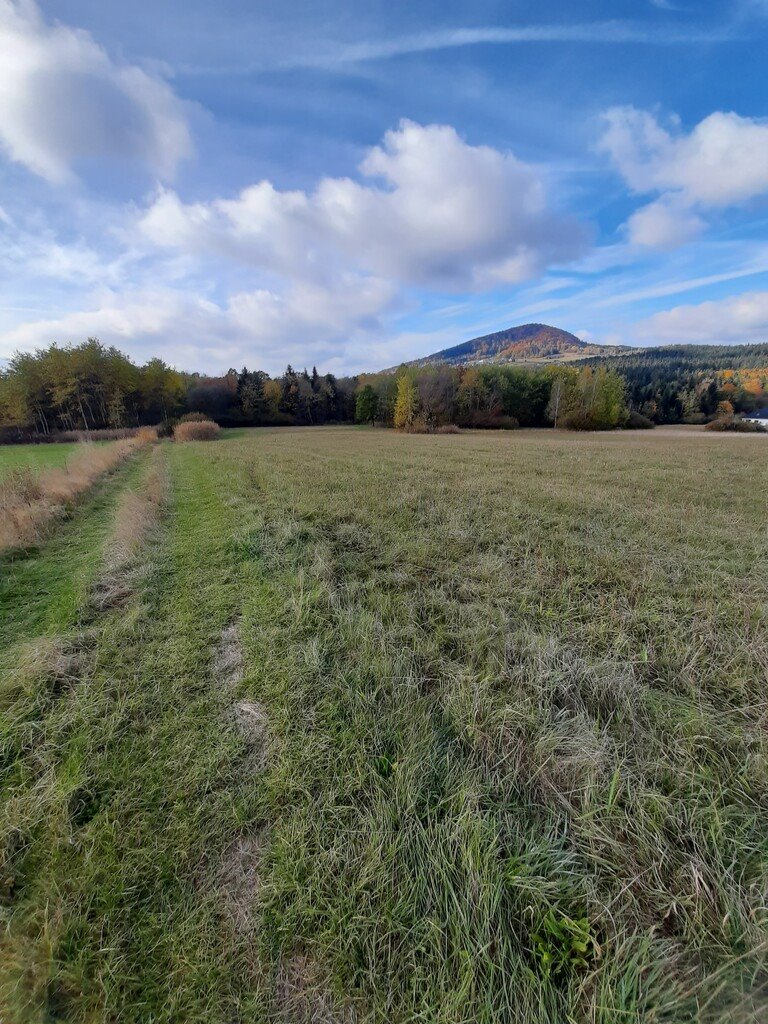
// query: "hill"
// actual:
[[527, 343]]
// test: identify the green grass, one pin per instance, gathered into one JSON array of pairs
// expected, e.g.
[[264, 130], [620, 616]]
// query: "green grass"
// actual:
[[35, 456], [511, 762]]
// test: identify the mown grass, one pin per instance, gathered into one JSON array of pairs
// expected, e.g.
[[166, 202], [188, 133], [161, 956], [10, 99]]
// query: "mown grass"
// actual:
[[509, 752]]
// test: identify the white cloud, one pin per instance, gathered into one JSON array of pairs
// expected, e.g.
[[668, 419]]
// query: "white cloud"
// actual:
[[334, 55], [313, 313], [739, 318], [63, 100], [721, 162], [262, 328], [663, 225], [434, 212]]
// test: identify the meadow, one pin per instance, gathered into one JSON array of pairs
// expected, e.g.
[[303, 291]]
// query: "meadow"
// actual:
[[35, 456], [345, 725]]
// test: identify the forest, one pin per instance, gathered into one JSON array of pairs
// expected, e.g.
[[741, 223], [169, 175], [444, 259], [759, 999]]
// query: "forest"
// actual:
[[95, 387], [686, 383]]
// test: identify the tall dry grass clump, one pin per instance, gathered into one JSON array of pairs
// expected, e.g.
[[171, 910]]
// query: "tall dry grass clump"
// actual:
[[203, 430], [105, 434], [30, 503], [136, 516]]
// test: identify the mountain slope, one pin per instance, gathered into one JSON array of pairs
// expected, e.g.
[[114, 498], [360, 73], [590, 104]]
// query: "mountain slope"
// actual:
[[528, 343]]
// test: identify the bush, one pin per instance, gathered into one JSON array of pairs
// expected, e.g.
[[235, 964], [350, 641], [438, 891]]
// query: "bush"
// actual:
[[197, 430], [448, 428], [482, 420], [636, 421], [737, 425], [145, 435], [579, 421], [585, 420], [166, 427], [195, 417], [417, 426]]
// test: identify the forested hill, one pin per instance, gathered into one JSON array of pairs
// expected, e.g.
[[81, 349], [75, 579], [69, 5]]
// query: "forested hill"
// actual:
[[528, 343], [670, 360]]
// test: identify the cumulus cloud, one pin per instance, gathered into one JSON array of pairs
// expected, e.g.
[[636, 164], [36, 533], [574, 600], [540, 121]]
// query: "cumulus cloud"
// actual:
[[432, 211], [739, 318], [63, 100], [265, 328], [721, 162], [663, 225]]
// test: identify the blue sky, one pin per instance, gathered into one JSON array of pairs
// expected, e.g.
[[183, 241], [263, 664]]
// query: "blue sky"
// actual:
[[351, 184]]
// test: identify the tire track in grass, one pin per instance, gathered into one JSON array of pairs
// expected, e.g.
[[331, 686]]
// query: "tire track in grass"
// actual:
[[45, 643], [286, 985], [43, 797], [151, 772]]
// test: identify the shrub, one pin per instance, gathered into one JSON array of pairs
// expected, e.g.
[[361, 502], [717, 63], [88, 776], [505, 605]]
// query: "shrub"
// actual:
[[197, 430], [735, 424], [585, 420], [483, 420], [448, 428], [417, 426], [636, 421], [146, 435], [166, 427], [195, 417]]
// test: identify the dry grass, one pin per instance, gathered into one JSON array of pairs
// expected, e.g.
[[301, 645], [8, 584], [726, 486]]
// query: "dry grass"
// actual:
[[302, 998], [30, 503], [228, 658], [136, 518], [197, 431], [237, 884], [107, 434]]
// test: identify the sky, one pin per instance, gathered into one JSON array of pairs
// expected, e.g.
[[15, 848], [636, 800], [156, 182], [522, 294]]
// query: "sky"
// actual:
[[350, 183]]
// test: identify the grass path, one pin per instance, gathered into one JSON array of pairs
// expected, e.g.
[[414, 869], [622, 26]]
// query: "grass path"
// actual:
[[435, 729], [41, 592]]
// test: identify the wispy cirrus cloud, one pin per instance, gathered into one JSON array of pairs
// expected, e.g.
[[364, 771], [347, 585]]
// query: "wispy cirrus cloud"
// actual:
[[331, 55]]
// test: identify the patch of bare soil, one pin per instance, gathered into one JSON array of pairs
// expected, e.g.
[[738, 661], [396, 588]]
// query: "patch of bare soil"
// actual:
[[253, 725], [239, 880], [302, 999], [228, 659]]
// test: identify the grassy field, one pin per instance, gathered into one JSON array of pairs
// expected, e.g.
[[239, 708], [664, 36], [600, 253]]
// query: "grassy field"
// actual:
[[342, 725], [35, 456]]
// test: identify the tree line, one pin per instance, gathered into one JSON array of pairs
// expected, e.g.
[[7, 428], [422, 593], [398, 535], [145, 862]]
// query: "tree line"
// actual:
[[93, 387], [429, 397]]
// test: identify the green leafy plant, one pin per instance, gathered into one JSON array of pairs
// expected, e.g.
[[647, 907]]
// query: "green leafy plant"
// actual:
[[563, 943]]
